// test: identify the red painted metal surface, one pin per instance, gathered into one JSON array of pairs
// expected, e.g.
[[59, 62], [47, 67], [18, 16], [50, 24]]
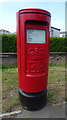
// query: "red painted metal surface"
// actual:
[[32, 57]]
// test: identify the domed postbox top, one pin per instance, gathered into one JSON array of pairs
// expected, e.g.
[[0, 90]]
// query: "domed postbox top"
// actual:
[[35, 10]]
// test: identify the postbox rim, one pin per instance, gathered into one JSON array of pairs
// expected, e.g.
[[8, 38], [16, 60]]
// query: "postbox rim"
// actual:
[[34, 10]]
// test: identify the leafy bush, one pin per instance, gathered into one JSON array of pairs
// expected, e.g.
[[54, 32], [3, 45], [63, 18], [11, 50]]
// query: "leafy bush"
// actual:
[[8, 43], [57, 44]]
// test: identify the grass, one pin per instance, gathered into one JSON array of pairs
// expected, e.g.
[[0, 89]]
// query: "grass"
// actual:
[[10, 88], [56, 83], [8, 66], [56, 86]]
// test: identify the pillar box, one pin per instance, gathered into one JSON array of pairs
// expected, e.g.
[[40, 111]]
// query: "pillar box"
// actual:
[[33, 38]]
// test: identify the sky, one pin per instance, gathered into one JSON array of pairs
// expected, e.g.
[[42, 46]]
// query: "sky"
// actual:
[[8, 13]]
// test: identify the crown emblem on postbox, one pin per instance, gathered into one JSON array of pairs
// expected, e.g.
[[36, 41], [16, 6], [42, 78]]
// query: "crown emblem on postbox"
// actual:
[[36, 53]]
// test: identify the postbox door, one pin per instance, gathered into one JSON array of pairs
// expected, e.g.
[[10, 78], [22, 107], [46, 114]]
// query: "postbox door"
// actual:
[[36, 48]]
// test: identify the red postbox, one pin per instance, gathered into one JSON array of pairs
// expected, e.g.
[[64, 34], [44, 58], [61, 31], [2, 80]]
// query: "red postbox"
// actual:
[[33, 34]]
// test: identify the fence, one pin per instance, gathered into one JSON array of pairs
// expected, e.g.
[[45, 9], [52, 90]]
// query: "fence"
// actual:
[[11, 58]]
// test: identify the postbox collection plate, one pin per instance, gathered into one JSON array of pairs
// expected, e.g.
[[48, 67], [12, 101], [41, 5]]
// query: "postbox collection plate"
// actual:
[[36, 36]]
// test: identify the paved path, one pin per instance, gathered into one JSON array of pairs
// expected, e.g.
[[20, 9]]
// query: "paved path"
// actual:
[[57, 111]]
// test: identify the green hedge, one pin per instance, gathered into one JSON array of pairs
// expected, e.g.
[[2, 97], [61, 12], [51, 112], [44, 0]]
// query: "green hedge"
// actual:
[[8, 43], [57, 44]]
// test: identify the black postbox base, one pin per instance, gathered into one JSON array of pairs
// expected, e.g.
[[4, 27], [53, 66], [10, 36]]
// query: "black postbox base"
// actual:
[[33, 101]]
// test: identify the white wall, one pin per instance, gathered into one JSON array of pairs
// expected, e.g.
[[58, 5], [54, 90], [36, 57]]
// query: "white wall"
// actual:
[[55, 32], [4, 32]]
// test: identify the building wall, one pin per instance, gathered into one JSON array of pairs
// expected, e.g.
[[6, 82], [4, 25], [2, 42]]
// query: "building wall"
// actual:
[[55, 32], [4, 32], [63, 34]]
